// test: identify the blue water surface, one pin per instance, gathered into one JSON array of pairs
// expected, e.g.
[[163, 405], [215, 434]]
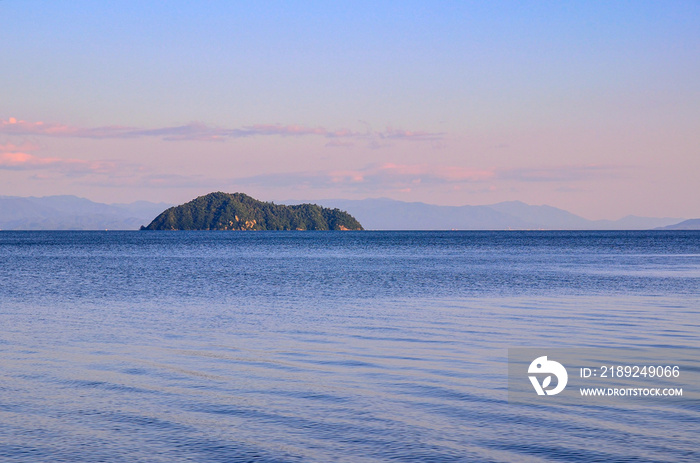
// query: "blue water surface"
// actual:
[[331, 346]]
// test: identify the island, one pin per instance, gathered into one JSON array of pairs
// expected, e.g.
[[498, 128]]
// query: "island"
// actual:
[[238, 211]]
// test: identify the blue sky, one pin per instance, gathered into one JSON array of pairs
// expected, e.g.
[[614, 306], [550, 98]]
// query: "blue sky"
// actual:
[[589, 106]]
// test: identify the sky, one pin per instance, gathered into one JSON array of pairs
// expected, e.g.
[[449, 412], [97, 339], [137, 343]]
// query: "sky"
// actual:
[[593, 107]]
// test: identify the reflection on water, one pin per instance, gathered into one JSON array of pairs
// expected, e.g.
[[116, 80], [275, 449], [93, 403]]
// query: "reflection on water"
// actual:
[[330, 347]]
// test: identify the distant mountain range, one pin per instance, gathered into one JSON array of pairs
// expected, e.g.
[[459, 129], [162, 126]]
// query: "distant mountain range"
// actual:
[[692, 224], [388, 214], [74, 213]]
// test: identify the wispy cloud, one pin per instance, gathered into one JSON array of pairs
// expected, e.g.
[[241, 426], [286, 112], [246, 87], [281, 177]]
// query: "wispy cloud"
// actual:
[[159, 181], [372, 177], [410, 135], [392, 176], [25, 161], [14, 126], [12, 148], [202, 132], [340, 144], [16, 157], [563, 173]]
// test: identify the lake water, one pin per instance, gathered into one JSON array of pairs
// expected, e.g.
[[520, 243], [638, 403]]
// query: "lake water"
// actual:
[[331, 346]]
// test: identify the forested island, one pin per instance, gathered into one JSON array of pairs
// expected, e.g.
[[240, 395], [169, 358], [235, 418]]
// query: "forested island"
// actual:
[[238, 211]]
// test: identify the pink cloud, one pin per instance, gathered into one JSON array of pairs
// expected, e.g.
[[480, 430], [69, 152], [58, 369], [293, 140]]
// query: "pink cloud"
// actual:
[[14, 157], [346, 176], [25, 161]]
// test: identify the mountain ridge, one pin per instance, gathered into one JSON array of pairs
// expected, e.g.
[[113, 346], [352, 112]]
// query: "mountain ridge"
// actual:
[[65, 212], [690, 224], [389, 214]]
